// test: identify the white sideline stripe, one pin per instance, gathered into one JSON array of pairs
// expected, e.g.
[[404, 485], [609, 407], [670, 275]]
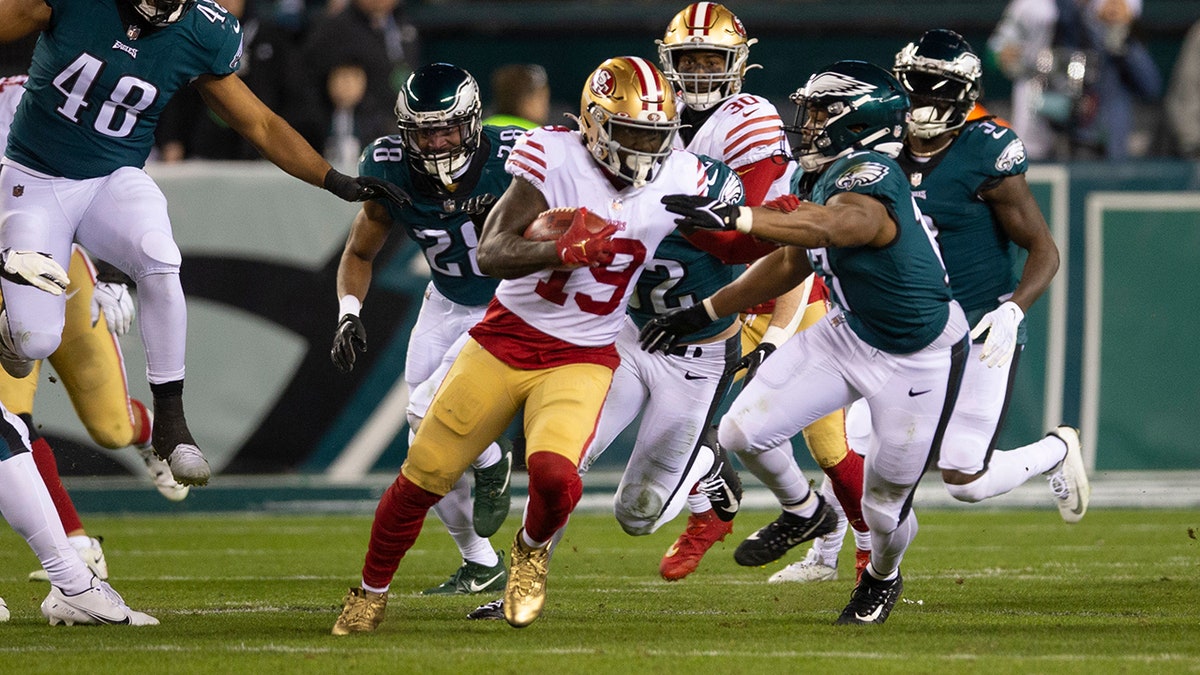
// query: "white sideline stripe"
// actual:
[[1058, 178], [358, 648], [365, 448]]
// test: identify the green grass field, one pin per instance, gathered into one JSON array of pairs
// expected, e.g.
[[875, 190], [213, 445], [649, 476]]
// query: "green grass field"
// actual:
[[986, 591]]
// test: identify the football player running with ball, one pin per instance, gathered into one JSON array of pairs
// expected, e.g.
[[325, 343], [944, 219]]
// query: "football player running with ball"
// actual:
[[452, 167], [547, 340], [101, 73], [895, 335], [704, 52]]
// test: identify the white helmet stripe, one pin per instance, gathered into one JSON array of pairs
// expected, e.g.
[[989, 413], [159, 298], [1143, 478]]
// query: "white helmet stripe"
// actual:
[[653, 95], [701, 18]]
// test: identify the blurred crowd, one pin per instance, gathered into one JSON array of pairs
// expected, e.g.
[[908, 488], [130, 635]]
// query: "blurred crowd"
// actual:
[[1084, 85]]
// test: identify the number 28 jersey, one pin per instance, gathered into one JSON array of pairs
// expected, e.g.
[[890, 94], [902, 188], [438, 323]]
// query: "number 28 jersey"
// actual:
[[586, 306], [97, 84]]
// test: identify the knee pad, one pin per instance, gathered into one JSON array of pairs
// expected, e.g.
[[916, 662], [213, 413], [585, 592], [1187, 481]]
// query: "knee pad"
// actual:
[[972, 492], [38, 343], [159, 255], [731, 437], [637, 508]]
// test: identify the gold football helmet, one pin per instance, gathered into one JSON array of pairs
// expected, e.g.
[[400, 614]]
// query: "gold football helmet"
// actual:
[[628, 118], [711, 27]]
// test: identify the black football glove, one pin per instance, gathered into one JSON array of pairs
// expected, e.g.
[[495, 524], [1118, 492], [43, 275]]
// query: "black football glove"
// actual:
[[364, 188], [754, 359], [702, 213], [663, 331], [350, 338]]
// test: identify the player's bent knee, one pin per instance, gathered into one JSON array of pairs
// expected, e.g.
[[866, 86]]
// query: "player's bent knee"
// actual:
[[160, 253], [881, 518], [731, 437], [38, 343], [637, 509], [972, 492]]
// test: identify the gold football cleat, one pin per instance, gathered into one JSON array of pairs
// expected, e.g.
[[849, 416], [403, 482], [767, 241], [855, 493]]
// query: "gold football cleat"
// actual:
[[362, 613]]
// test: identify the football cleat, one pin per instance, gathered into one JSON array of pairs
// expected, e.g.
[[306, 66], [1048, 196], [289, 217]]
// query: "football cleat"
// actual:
[[722, 485], [14, 365], [99, 604], [810, 570], [92, 555], [1068, 480], [362, 612], [473, 578], [492, 495], [188, 465], [525, 594], [160, 471], [787, 531], [4, 615], [702, 532], [488, 611], [872, 600]]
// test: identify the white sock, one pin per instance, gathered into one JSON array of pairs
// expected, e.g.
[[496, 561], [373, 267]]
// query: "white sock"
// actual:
[[777, 469], [455, 511], [26, 505]]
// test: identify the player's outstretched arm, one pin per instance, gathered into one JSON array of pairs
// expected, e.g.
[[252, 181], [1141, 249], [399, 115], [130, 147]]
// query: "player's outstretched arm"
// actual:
[[19, 18]]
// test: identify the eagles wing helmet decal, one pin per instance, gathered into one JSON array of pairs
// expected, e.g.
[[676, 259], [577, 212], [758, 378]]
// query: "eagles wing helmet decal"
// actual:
[[837, 84], [861, 174]]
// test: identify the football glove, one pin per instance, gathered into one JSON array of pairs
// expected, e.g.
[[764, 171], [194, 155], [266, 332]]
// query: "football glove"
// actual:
[[754, 359], [349, 339], [665, 330], [116, 303], [33, 268], [704, 213], [578, 246], [364, 188], [1001, 326]]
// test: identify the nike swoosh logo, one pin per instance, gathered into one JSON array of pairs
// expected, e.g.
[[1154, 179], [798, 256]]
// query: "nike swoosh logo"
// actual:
[[474, 586], [868, 618], [689, 376], [72, 294], [918, 393]]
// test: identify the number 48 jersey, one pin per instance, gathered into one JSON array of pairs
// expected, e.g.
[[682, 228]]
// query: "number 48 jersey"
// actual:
[[97, 84]]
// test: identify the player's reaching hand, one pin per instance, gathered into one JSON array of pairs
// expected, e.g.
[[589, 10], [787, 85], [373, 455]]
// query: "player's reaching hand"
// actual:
[[754, 359], [117, 304], [665, 330], [705, 213], [349, 339], [364, 188], [33, 268]]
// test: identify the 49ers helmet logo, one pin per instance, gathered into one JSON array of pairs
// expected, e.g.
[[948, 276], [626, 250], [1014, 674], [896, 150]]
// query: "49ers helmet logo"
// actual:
[[603, 83]]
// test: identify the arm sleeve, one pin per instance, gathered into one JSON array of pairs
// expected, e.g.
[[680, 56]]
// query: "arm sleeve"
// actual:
[[758, 177], [731, 248]]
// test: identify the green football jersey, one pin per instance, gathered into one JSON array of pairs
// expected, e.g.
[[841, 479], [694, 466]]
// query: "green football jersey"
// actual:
[[895, 298], [681, 275], [435, 219], [978, 254], [98, 84]]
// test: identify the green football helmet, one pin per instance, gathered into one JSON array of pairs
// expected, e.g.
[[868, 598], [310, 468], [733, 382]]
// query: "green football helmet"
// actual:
[[941, 74], [845, 107], [435, 99]]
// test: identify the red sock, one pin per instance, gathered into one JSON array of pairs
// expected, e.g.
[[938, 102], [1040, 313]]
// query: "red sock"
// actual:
[[398, 520], [140, 413], [847, 478], [554, 490], [43, 457]]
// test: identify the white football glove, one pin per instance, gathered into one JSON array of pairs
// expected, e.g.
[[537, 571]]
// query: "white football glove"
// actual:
[[34, 269], [116, 303], [1001, 326]]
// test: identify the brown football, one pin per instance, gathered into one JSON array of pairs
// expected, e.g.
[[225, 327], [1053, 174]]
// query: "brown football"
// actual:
[[550, 225]]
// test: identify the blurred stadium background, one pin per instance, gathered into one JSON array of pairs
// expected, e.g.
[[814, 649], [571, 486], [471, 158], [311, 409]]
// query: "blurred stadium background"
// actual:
[[1112, 344]]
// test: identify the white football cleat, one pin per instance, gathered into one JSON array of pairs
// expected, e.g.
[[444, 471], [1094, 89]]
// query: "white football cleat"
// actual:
[[160, 473], [1069, 480], [4, 615], [92, 555], [188, 465], [809, 570], [99, 604]]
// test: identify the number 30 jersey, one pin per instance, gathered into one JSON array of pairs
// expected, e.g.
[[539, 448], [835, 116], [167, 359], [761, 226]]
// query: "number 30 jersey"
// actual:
[[98, 84]]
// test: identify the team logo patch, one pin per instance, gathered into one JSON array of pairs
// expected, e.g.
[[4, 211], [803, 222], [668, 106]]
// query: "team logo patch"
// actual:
[[118, 45], [1013, 155], [18, 190], [916, 178], [867, 173], [133, 32], [603, 83]]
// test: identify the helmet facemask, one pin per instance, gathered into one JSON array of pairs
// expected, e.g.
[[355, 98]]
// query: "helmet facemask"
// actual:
[[437, 101], [162, 12], [942, 76], [628, 118], [711, 27]]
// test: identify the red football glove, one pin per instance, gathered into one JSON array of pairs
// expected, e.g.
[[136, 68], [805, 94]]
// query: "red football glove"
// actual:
[[786, 203], [586, 244]]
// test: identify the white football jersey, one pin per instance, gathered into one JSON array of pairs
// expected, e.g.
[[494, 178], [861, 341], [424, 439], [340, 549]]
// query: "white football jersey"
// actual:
[[586, 306], [742, 130], [11, 89]]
